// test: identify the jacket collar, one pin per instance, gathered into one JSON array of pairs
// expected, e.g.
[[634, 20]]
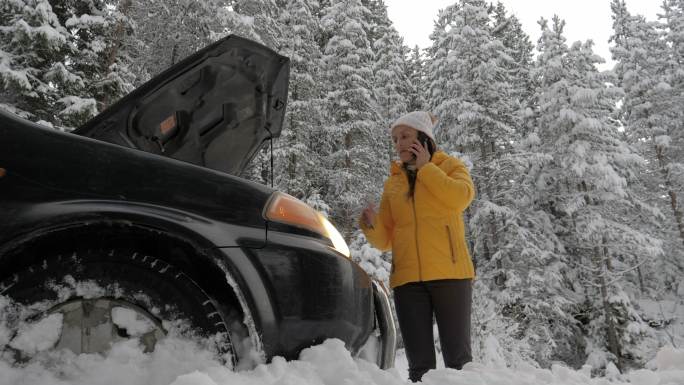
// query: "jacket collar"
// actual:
[[437, 158]]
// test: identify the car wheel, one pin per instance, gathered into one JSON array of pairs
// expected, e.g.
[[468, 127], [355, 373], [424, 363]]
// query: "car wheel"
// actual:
[[100, 297]]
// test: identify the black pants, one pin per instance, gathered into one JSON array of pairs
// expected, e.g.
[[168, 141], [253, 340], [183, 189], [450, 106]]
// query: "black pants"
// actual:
[[450, 302]]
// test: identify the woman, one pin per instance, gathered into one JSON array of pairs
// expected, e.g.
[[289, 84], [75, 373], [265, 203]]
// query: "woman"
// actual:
[[421, 221]]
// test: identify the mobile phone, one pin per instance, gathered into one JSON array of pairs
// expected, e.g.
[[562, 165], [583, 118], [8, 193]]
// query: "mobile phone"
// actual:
[[426, 142]]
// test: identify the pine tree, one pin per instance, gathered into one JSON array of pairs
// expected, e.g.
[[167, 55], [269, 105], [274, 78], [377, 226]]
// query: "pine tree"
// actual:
[[647, 67], [390, 84], [585, 184], [670, 150], [473, 81], [649, 109], [415, 72], [298, 150], [377, 22], [355, 163], [532, 281], [508, 29], [440, 73], [263, 16], [101, 57], [37, 80], [166, 31], [476, 109]]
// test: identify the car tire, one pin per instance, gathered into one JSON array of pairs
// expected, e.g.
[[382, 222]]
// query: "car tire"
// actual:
[[125, 278]]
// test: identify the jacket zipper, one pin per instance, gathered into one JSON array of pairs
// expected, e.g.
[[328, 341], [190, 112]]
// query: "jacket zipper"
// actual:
[[415, 228], [451, 245], [415, 221]]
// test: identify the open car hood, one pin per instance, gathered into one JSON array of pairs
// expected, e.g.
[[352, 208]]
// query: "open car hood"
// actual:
[[215, 108]]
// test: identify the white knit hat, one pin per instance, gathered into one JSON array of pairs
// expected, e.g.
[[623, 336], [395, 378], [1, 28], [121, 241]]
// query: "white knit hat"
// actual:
[[420, 120]]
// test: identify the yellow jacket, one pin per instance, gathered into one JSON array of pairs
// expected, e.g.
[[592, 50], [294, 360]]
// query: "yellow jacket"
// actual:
[[427, 238]]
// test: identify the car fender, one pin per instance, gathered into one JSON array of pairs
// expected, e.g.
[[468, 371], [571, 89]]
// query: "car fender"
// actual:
[[54, 220]]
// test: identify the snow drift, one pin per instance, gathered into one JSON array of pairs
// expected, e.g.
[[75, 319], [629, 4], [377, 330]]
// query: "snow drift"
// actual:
[[179, 360], [176, 361]]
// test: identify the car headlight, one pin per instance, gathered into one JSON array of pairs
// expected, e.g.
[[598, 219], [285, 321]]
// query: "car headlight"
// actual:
[[287, 209]]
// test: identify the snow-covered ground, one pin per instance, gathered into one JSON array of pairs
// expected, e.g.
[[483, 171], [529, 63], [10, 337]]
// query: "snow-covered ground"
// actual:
[[182, 362]]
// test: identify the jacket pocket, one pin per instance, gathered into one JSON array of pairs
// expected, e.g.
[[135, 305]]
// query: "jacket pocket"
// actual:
[[451, 244]]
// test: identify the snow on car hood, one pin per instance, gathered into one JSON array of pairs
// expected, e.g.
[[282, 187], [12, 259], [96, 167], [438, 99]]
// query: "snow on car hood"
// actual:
[[214, 109]]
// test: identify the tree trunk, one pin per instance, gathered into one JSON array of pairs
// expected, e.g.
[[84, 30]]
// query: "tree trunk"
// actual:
[[348, 224], [490, 237], [676, 210], [292, 158], [642, 288], [467, 214], [174, 53], [603, 263], [113, 50], [292, 167]]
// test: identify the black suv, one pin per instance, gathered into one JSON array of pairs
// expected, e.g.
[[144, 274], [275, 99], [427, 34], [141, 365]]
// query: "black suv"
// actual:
[[138, 215]]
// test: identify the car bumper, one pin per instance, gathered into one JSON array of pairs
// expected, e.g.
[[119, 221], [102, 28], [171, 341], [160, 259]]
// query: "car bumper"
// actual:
[[312, 293], [381, 344]]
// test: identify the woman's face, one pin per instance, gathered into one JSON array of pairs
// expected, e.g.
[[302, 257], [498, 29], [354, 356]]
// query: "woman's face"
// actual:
[[403, 137]]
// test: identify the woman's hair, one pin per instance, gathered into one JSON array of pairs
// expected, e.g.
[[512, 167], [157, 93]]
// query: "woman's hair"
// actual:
[[431, 146]]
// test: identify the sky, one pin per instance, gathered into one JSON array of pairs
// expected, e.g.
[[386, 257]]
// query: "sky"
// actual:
[[585, 19]]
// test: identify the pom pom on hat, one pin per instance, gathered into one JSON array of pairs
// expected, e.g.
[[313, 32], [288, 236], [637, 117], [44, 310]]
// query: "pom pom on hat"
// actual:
[[420, 120]]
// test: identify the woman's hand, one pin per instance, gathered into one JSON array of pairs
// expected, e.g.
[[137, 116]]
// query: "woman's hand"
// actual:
[[368, 214], [421, 152]]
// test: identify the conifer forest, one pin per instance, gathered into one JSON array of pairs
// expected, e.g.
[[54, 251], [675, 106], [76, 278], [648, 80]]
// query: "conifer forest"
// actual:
[[577, 230]]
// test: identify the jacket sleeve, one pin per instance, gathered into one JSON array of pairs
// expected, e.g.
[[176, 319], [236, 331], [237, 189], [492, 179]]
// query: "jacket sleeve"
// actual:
[[454, 187], [379, 234]]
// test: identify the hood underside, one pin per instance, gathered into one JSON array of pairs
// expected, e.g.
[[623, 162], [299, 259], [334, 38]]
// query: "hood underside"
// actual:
[[214, 109]]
